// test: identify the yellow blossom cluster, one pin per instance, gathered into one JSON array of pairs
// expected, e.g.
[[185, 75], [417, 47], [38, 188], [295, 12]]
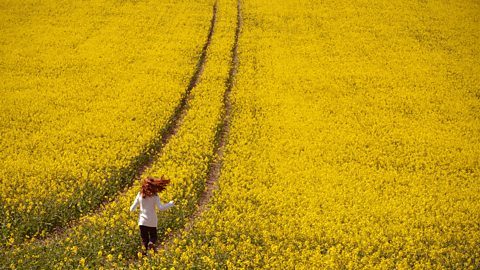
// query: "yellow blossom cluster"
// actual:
[[355, 141], [87, 88]]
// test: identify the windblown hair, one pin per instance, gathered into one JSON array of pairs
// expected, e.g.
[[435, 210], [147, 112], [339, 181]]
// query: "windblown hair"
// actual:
[[151, 186]]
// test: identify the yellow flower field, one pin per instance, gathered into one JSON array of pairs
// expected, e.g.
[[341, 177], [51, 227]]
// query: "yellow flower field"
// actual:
[[113, 233], [86, 89], [354, 140]]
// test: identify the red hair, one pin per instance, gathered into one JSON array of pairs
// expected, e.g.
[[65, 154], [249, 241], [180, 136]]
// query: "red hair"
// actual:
[[151, 186]]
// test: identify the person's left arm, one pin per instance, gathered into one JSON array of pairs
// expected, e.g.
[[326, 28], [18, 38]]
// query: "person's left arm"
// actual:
[[135, 203]]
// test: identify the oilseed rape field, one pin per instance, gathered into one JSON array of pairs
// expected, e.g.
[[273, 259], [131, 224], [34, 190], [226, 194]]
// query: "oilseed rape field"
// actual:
[[297, 134]]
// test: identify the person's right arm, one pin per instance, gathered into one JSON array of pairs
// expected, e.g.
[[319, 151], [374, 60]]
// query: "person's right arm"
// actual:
[[162, 206]]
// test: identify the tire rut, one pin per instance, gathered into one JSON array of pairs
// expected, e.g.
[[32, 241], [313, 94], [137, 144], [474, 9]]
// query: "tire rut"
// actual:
[[221, 142], [177, 118]]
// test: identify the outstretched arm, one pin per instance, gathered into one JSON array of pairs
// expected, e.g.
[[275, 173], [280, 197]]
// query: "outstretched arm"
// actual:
[[135, 203], [163, 206]]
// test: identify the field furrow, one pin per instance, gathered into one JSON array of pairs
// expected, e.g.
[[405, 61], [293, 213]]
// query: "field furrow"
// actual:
[[224, 125]]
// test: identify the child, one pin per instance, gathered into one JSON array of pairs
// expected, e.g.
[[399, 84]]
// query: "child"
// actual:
[[147, 198]]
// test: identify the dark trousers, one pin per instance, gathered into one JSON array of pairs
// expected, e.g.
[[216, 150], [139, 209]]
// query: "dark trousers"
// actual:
[[148, 234]]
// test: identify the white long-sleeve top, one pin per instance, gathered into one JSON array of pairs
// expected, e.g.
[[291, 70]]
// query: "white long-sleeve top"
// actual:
[[148, 215]]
